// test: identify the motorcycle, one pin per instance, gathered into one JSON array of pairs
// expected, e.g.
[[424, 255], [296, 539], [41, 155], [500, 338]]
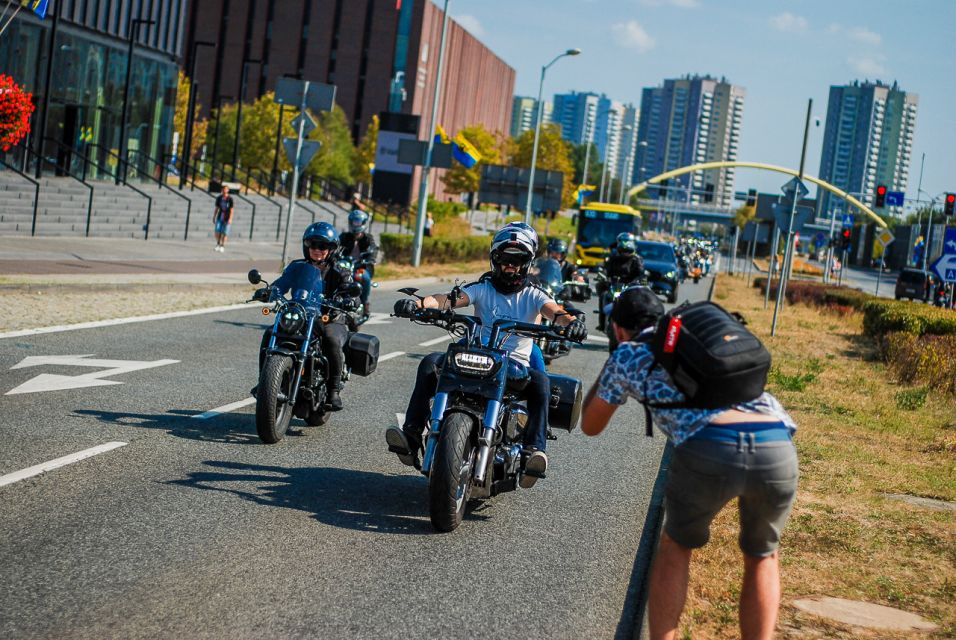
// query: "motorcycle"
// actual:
[[611, 289], [359, 267], [294, 372], [548, 274], [696, 270], [473, 445]]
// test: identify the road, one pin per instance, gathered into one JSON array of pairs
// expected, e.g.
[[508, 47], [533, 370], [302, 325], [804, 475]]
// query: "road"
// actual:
[[192, 528]]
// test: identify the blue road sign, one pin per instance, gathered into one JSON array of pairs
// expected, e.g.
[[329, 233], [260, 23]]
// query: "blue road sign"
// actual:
[[945, 267], [847, 219], [894, 198], [949, 241], [820, 239]]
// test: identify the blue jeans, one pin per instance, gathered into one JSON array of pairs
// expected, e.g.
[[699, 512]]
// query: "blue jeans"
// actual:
[[365, 280]]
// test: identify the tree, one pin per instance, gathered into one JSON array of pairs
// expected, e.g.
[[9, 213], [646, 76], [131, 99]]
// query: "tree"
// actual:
[[200, 127], [460, 179], [554, 154], [743, 215], [595, 166], [336, 157], [365, 152]]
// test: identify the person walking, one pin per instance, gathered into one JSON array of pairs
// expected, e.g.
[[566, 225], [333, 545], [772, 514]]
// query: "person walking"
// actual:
[[222, 218], [429, 223], [743, 451]]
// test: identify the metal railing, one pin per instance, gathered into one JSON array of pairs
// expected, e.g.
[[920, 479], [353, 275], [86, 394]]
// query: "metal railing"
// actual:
[[261, 195], [36, 193], [237, 194], [28, 152]]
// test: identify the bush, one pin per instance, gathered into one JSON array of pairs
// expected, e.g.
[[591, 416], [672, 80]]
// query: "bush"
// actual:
[[398, 248], [444, 210], [928, 359], [881, 317]]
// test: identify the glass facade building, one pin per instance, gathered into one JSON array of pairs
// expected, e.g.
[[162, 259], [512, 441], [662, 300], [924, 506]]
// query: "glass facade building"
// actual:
[[88, 82]]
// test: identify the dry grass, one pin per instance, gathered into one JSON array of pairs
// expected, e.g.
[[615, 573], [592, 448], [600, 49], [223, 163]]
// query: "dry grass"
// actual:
[[800, 266], [856, 444]]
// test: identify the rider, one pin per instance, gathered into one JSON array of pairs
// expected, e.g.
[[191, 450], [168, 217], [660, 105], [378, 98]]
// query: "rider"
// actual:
[[558, 250], [319, 245], [624, 265], [505, 292], [356, 241]]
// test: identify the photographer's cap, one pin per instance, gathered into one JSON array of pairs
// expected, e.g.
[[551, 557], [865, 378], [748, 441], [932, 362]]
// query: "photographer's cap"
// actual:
[[636, 309]]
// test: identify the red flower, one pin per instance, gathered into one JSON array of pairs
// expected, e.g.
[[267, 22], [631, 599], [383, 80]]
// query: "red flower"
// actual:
[[16, 107]]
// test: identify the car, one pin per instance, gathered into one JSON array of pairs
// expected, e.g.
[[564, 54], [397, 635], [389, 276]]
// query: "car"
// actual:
[[914, 284], [660, 262]]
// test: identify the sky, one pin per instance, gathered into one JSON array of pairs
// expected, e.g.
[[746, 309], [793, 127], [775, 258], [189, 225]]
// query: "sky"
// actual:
[[783, 53]]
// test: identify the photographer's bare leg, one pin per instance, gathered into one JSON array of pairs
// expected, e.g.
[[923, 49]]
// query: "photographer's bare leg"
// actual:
[[668, 588], [760, 596]]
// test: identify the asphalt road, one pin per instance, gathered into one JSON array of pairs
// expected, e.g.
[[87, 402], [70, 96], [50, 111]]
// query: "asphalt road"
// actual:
[[194, 528]]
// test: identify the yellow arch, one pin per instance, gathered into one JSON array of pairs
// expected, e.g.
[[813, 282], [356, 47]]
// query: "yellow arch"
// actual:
[[757, 165]]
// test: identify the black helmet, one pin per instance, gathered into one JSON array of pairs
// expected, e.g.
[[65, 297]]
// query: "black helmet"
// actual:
[[515, 244], [557, 245], [626, 244], [320, 233]]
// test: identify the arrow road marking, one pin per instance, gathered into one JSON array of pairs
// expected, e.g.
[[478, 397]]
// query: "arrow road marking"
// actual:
[[54, 382], [952, 244], [36, 470]]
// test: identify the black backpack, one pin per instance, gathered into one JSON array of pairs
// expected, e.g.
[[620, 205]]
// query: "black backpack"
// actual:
[[710, 355]]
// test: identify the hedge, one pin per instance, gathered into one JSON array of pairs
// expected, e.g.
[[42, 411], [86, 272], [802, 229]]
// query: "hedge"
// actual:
[[398, 248]]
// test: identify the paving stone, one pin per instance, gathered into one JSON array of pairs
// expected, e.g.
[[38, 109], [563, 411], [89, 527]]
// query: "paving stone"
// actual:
[[864, 614], [928, 503]]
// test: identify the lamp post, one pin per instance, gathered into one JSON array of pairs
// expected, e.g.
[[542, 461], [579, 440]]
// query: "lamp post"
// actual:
[[242, 96], [190, 114], [133, 34], [537, 129]]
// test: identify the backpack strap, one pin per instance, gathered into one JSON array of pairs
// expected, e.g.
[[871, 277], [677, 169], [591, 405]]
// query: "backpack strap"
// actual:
[[648, 419]]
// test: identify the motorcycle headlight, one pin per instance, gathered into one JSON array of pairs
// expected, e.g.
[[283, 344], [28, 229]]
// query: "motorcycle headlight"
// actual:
[[292, 320], [476, 362], [670, 275]]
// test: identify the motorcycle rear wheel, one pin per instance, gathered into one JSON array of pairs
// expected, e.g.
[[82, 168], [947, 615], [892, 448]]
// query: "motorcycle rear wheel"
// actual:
[[449, 483], [272, 415]]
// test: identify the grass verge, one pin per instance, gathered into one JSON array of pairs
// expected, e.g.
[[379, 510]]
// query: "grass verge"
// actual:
[[862, 436]]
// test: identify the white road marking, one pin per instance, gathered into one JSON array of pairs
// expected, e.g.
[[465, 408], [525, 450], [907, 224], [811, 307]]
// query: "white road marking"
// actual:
[[603, 339], [36, 470], [400, 418], [378, 318], [226, 408], [54, 382], [110, 323], [434, 341], [389, 356]]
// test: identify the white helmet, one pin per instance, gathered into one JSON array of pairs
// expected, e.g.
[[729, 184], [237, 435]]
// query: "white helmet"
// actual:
[[515, 244]]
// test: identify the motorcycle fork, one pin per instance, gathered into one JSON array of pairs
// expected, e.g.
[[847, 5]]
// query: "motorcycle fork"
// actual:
[[439, 404], [487, 437], [302, 358]]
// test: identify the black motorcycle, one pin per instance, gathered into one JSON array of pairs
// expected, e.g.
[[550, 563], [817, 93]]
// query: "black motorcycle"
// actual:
[[549, 277], [293, 370], [473, 447], [359, 268], [611, 289]]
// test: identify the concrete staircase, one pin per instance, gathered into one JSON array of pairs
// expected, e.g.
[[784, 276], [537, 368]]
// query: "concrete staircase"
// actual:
[[118, 211]]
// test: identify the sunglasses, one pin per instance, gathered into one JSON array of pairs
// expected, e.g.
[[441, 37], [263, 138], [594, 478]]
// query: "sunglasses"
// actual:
[[321, 246], [513, 260]]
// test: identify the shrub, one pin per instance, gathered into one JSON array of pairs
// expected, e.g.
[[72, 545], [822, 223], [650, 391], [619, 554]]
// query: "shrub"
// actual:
[[444, 210], [398, 248], [911, 399], [927, 359]]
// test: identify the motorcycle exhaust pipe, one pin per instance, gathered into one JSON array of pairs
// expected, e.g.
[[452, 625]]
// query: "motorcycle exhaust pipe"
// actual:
[[487, 437], [439, 405]]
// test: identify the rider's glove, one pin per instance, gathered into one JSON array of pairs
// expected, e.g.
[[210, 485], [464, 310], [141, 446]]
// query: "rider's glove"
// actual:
[[405, 308], [576, 331], [262, 295]]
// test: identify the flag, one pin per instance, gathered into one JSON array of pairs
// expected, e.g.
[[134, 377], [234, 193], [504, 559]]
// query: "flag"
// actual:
[[465, 152], [583, 191], [38, 7], [440, 136]]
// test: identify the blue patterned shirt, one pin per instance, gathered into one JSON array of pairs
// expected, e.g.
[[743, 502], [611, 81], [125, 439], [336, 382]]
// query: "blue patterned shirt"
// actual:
[[625, 374]]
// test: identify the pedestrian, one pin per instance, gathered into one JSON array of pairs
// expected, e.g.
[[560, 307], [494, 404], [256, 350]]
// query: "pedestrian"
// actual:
[[222, 218], [429, 223], [743, 451], [357, 204]]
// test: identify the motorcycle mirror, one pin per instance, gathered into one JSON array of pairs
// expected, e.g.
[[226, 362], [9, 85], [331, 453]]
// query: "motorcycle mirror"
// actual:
[[254, 276], [374, 285], [354, 289], [410, 291]]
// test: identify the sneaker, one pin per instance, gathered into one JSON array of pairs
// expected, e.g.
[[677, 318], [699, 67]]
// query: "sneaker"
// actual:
[[399, 443], [534, 468], [222, 248]]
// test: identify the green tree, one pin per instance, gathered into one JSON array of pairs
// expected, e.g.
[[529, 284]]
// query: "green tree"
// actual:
[[595, 166], [179, 116], [554, 154], [337, 156], [459, 179], [365, 152]]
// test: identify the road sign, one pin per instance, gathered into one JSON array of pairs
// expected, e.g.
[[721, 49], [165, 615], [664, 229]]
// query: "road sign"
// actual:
[[949, 241], [945, 267], [884, 237], [309, 149], [320, 96], [413, 152], [308, 124], [55, 382], [781, 216], [847, 219], [819, 239], [795, 184], [894, 198]]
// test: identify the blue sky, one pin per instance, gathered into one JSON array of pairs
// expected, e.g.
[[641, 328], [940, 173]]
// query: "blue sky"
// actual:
[[783, 53]]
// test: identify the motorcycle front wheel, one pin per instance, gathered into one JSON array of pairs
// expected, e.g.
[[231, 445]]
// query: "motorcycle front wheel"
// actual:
[[273, 411], [449, 483]]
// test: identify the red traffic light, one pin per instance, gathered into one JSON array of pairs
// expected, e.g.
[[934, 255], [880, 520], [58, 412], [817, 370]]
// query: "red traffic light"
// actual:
[[880, 199], [950, 204], [951, 198], [881, 190], [846, 234]]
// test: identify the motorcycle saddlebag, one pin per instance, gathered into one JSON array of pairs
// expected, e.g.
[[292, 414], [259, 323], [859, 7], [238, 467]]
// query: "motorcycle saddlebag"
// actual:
[[565, 408], [361, 353]]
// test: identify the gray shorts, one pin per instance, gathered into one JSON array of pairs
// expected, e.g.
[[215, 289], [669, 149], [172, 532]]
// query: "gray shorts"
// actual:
[[705, 475]]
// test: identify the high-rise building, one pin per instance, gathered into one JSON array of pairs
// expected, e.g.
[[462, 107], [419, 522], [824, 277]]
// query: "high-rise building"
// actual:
[[867, 142], [589, 117], [524, 114], [626, 157], [688, 121]]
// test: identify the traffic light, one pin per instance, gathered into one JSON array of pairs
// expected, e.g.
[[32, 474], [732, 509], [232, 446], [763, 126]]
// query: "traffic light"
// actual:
[[751, 197], [949, 203], [845, 238], [881, 195]]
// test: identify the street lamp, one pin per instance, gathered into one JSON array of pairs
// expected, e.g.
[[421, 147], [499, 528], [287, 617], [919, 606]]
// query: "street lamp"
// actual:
[[242, 96], [190, 115], [537, 129], [133, 34]]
